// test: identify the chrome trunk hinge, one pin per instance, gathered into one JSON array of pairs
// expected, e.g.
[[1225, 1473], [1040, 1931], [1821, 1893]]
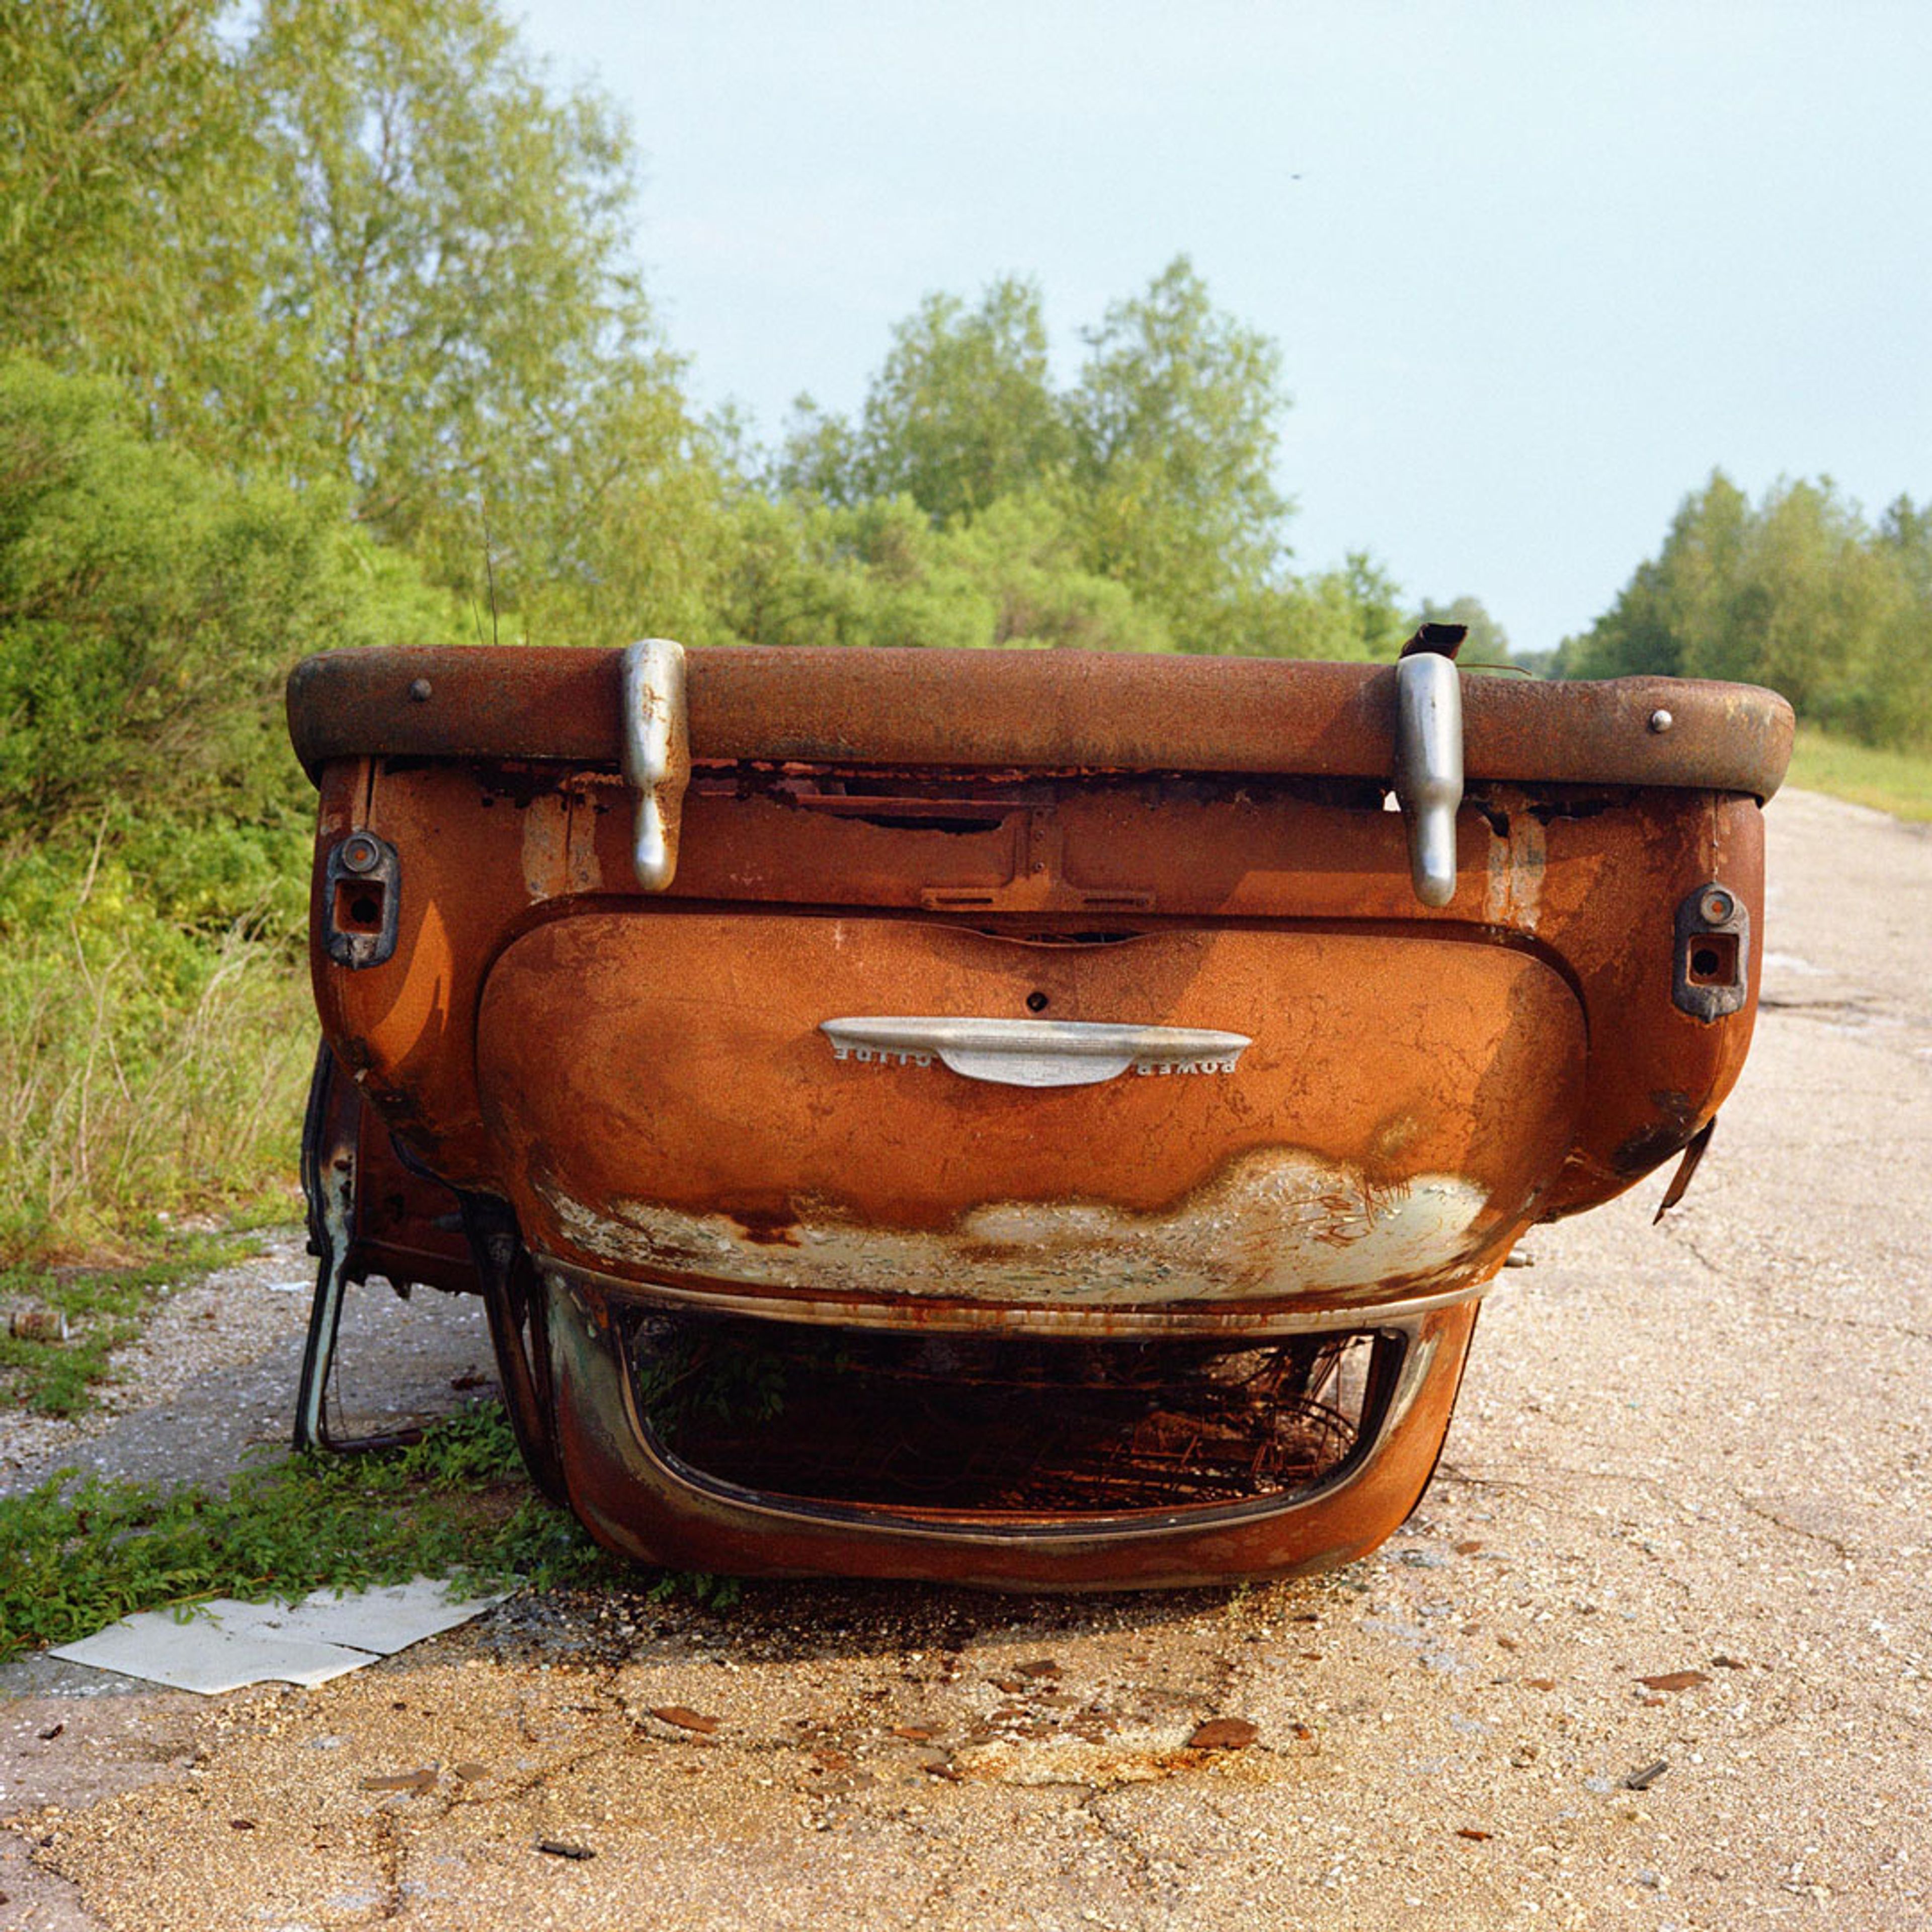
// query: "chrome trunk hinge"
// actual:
[[657, 754], [1429, 763]]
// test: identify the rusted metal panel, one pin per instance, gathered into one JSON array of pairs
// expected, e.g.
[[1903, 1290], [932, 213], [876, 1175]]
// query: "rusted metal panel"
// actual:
[[1387, 1130], [742, 1088], [1034, 710], [1548, 871], [396, 1221], [636, 1500]]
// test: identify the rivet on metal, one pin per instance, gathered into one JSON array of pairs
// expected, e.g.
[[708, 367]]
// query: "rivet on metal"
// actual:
[[1661, 721], [419, 690]]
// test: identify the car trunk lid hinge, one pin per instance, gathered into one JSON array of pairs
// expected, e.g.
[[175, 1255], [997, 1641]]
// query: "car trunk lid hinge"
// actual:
[[657, 754], [1428, 757]]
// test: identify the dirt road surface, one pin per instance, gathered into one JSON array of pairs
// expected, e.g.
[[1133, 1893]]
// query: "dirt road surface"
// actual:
[[1698, 1455]]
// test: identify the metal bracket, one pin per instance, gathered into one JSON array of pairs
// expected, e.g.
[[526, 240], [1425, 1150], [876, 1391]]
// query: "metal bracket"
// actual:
[[1711, 975], [1428, 768], [657, 754], [362, 894], [1035, 1053], [338, 1208], [328, 1177]]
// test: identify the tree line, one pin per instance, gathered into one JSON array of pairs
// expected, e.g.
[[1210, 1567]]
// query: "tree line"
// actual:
[[1797, 591], [320, 326]]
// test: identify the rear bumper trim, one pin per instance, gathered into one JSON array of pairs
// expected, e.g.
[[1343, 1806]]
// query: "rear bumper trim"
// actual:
[[933, 1316]]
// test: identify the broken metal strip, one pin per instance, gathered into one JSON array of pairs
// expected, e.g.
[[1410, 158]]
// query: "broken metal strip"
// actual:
[[336, 1212], [331, 1174], [657, 754], [1429, 770], [1035, 1053], [1680, 1181]]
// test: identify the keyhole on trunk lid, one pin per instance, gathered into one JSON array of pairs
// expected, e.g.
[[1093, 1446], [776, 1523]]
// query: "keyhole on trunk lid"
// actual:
[[1036, 1002]]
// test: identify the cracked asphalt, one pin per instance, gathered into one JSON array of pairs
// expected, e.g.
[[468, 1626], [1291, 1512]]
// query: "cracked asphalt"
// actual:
[[1654, 1652]]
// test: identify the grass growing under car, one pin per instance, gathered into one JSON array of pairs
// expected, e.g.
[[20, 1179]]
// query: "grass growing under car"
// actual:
[[77, 1553]]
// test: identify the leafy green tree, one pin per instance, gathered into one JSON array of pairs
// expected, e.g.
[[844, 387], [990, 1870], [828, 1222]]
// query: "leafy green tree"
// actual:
[[1907, 533], [1796, 592], [1175, 422], [962, 413], [1812, 602], [878, 572], [151, 604], [130, 202], [368, 242], [461, 337], [1671, 598], [1024, 551], [1352, 614], [820, 457], [1896, 705], [1159, 459]]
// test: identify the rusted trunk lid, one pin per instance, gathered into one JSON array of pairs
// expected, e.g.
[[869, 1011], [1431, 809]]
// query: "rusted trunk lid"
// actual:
[[676, 1098]]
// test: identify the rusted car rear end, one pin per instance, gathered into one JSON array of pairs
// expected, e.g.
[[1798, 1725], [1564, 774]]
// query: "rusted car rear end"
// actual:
[[1027, 1119]]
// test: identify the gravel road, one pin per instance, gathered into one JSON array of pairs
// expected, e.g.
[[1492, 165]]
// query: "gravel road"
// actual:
[[1653, 1653]]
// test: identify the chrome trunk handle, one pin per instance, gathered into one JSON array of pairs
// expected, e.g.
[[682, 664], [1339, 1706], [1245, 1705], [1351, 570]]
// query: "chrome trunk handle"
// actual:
[[1035, 1053]]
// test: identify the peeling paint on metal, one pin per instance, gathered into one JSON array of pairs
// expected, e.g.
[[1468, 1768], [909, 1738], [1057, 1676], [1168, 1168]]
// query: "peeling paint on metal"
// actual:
[[1272, 1223], [584, 866], [546, 841], [1517, 860]]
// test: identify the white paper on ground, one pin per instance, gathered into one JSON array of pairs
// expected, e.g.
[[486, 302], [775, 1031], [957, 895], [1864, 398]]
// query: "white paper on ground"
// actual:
[[227, 1644], [385, 1620]]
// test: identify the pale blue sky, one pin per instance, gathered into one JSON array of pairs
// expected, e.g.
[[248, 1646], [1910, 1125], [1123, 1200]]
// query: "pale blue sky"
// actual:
[[1534, 269]]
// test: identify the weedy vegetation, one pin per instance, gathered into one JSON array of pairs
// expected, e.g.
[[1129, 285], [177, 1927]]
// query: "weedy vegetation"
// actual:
[[102, 1309], [76, 1553]]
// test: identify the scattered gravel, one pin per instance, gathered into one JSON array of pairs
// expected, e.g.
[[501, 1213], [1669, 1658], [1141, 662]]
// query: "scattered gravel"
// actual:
[[213, 1376], [204, 1326]]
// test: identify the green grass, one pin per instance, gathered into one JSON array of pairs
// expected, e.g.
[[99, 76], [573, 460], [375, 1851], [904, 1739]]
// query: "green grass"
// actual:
[[104, 1308], [144, 1063], [76, 1554], [1899, 782]]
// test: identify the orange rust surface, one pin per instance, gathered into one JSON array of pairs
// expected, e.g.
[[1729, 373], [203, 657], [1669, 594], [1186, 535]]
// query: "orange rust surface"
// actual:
[[1378, 1063], [628, 1505], [1586, 880], [404, 1227], [1165, 842], [1031, 710]]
